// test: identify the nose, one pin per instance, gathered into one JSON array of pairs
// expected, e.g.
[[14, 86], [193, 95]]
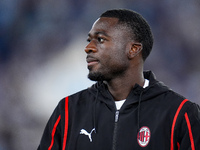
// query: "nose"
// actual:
[[90, 48]]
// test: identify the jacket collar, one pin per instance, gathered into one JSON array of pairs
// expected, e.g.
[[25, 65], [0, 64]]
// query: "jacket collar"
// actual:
[[155, 88]]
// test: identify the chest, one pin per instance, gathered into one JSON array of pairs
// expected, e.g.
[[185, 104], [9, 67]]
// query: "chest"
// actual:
[[131, 128]]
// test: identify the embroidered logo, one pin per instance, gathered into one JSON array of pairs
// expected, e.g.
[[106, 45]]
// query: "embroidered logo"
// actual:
[[143, 136], [83, 131]]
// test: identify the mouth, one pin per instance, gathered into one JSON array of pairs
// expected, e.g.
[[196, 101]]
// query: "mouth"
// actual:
[[91, 60]]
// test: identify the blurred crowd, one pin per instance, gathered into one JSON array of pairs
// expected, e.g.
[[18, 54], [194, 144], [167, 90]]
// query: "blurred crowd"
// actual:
[[33, 32]]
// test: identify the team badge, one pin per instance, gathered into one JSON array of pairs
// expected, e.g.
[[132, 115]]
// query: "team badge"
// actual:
[[143, 136]]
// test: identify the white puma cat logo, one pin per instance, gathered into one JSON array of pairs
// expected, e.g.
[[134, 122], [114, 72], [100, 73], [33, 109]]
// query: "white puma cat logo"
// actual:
[[83, 131]]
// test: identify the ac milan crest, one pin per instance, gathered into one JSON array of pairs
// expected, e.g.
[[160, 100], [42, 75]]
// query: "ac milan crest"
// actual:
[[143, 136]]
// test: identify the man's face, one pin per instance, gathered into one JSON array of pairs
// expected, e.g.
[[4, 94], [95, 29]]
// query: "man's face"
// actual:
[[107, 50]]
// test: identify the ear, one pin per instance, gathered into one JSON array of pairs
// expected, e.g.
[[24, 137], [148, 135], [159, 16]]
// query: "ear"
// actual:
[[135, 49]]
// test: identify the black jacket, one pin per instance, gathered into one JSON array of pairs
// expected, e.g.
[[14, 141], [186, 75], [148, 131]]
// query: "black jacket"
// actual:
[[154, 118]]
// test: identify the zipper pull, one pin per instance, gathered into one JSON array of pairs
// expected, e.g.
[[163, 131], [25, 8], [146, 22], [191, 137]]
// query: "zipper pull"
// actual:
[[116, 116]]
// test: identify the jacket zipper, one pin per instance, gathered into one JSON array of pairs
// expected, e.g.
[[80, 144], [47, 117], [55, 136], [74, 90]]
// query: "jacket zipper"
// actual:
[[115, 130]]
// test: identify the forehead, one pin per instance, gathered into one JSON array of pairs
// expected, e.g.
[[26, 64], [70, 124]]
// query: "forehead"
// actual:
[[106, 25]]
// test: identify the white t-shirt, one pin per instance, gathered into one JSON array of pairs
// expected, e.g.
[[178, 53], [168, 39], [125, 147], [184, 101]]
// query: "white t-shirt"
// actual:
[[121, 102]]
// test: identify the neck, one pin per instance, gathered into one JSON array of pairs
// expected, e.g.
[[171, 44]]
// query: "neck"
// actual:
[[121, 87]]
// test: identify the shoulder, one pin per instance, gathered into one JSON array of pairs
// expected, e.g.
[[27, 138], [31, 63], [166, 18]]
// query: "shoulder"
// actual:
[[184, 109], [80, 98], [182, 102], [174, 98]]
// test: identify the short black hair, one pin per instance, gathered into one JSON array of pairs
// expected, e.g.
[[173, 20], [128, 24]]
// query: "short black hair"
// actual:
[[141, 29]]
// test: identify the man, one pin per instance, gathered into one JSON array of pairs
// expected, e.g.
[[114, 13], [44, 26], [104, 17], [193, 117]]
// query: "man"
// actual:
[[127, 109]]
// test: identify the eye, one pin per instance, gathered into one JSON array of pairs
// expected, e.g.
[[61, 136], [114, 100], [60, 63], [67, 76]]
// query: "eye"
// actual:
[[100, 39], [88, 40]]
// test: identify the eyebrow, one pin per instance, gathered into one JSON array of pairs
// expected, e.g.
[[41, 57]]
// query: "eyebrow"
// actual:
[[97, 33]]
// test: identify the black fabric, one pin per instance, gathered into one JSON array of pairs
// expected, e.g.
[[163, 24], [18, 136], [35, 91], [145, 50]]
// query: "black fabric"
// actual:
[[95, 108]]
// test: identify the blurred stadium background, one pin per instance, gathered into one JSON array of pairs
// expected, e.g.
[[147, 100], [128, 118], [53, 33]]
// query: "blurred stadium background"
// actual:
[[42, 56]]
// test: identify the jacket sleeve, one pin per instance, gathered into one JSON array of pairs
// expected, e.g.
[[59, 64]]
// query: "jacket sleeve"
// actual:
[[190, 129], [52, 136]]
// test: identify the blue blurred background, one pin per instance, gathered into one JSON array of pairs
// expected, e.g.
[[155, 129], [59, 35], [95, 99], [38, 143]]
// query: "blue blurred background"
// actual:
[[42, 56]]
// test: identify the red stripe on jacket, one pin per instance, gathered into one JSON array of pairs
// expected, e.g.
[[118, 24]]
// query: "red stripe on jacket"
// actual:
[[53, 132], [174, 122], [66, 124], [190, 131]]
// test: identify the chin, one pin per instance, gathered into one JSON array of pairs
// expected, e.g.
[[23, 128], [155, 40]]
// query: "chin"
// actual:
[[96, 76]]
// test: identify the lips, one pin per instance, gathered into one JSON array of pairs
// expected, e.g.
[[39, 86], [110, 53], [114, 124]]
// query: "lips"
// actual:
[[91, 60]]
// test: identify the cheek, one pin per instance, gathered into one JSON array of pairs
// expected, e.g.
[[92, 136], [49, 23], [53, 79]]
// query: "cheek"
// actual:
[[118, 60], [112, 53], [119, 53]]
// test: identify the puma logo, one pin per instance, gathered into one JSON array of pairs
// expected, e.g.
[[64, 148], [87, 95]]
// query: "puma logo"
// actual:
[[83, 131]]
